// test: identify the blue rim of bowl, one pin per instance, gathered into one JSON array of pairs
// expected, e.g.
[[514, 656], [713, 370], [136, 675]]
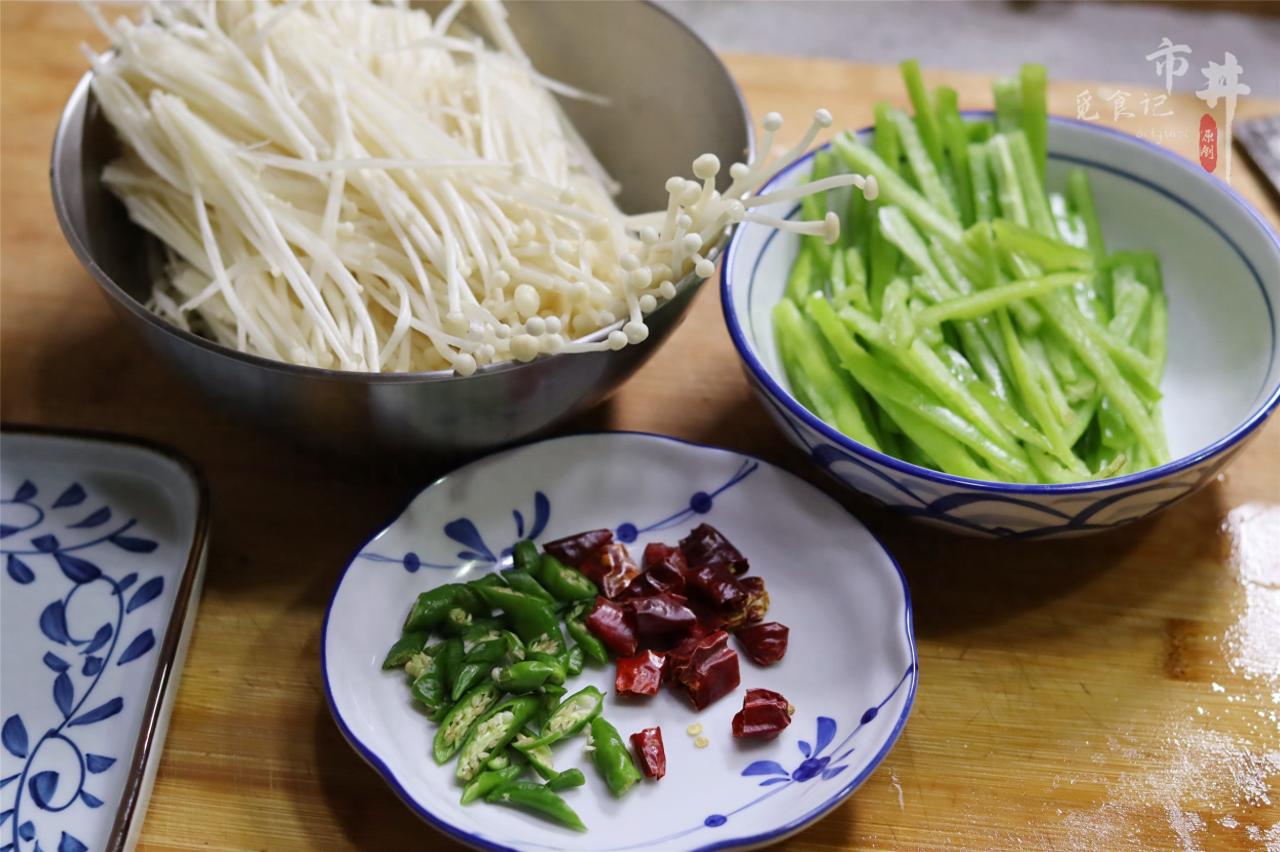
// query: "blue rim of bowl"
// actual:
[[794, 408], [774, 835]]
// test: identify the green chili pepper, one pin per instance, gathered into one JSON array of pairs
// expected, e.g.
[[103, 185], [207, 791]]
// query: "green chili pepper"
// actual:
[[557, 661], [551, 696], [574, 660], [563, 582], [456, 622], [573, 714], [432, 606], [486, 782], [530, 617], [528, 675], [550, 644], [612, 757], [501, 760], [428, 690], [450, 660], [536, 798], [539, 757], [468, 676], [515, 648], [524, 582], [592, 647], [525, 555], [488, 650], [565, 780], [457, 723], [411, 642], [492, 733], [487, 580]]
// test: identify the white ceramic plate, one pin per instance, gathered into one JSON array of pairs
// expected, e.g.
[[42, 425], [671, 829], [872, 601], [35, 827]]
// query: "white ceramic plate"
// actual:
[[104, 546], [850, 669]]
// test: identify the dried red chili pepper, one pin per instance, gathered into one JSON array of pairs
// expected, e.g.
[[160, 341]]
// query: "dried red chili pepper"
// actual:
[[612, 626], [709, 671], [653, 757], [718, 587], [664, 571], [752, 607], [612, 569], [574, 549], [764, 643], [640, 675], [706, 545], [764, 715], [662, 616]]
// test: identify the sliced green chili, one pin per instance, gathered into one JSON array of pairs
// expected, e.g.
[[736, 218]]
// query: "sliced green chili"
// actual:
[[612, 757], [573, 714], [563, 582], [487, 782], [530, 617], [492, 733], [567, 779], [458, 722], [537, 799]]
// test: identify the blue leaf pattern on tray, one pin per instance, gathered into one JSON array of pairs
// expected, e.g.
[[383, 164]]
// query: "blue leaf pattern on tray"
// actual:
[[53, 546]]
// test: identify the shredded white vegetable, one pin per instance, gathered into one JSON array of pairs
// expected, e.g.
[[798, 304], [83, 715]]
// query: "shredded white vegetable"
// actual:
[[355, 186]]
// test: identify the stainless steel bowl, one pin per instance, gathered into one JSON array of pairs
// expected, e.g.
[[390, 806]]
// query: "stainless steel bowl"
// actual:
[[672, 100]]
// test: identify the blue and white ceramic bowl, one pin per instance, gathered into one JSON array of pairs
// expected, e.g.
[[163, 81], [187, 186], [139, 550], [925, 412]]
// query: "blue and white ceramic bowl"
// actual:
[[850, 668], [1221, 264]]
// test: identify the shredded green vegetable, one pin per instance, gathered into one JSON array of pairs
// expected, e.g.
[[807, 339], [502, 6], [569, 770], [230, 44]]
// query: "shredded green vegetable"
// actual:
[[969, 319]]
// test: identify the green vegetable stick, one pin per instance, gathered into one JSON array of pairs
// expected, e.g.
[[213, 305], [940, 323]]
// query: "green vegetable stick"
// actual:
[[1031, 182], [922, 363], [825, 384], [895, 190], [855, 292], [984, 201], [1073, 327], [926, 121], [1047, 252], [887, 383], [922, 165], [1008, 98], [800, 281], [1012, 204], [986, 301], [1035, 113], [1033, 396], [948, 454], [956, 146]]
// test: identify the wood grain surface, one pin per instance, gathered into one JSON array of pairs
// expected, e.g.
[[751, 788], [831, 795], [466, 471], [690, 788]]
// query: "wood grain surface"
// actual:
[[1121, 691]]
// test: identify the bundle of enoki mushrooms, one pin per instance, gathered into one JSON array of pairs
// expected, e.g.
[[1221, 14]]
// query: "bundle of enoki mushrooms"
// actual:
[[358, 186]]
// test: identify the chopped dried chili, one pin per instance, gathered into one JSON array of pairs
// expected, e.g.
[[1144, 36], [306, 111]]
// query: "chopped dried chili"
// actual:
[[574, 549], [706, 545], [640, 675], [648, 747], [611, 625], [765, 643], [764, 715]]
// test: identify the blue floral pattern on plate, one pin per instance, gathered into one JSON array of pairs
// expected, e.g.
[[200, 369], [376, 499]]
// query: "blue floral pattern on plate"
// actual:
[[464, 530], [45, 541]]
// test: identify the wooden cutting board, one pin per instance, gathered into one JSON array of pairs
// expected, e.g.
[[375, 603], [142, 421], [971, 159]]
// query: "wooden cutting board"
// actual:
[[1118, 691]]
